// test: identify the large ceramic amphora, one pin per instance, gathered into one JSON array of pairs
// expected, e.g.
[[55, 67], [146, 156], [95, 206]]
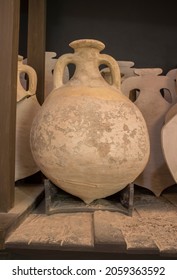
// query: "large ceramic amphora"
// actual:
[[88, 138], [26, 109]]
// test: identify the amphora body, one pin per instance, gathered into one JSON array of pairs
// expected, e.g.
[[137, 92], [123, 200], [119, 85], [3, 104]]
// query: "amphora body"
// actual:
[[26, 109]]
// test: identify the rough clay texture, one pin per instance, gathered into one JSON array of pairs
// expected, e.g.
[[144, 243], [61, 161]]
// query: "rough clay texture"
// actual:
[[89, 146]]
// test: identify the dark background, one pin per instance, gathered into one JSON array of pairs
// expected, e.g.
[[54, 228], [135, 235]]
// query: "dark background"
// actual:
[[131, 30]]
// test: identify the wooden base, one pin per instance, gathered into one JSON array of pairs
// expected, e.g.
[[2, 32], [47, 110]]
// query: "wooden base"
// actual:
[[58, 201], [26, 199]]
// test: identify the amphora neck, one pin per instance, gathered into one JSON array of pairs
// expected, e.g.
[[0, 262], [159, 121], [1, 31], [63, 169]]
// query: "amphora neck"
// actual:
[[87, 61]]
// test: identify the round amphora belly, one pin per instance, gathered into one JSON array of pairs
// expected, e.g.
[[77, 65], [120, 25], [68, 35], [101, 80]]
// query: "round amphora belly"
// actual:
[[90, 145]]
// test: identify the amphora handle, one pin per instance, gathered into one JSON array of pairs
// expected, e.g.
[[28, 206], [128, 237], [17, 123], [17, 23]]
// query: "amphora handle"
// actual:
[[59, 69], [32, 76], [114, 68]]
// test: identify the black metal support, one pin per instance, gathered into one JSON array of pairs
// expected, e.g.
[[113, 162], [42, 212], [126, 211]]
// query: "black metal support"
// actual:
[[58, 201], [126, 198]]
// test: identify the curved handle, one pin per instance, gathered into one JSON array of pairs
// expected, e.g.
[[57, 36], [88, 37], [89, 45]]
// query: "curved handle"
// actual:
[[114, 68], [59, 68], [22, 68]]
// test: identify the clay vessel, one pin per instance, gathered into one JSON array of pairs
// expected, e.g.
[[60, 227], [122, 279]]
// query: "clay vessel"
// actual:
[[26, 108], [154, 105], [88, 138], [126, 70]]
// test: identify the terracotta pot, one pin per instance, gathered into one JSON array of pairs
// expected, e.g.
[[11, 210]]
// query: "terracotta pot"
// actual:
[[27, 107], [88, 138]]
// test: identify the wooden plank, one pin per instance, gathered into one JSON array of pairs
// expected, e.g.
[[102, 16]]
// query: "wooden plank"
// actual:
[[150, 206], [58, 231], [126, 234], [6, 220], [160, 217], [9, 32], [171, 195], [108, 236], [36, 42], [138, 237], [164, 234], [26, 198]]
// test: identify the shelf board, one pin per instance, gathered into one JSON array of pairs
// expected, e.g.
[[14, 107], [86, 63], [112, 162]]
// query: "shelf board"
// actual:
[[150, 231]]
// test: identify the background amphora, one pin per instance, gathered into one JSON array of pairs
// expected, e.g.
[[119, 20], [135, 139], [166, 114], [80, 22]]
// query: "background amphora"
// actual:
[[126, 70], [88, 138], [50, 61], [169, 132], [154, 107], [26, 108], [172, 75]]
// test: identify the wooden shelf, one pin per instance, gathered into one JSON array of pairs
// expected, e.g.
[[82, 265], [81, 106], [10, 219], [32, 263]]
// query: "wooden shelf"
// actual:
[[27, 198], [152, 230]]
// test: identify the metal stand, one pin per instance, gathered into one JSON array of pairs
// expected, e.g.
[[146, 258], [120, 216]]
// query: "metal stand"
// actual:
[[58, 201]]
